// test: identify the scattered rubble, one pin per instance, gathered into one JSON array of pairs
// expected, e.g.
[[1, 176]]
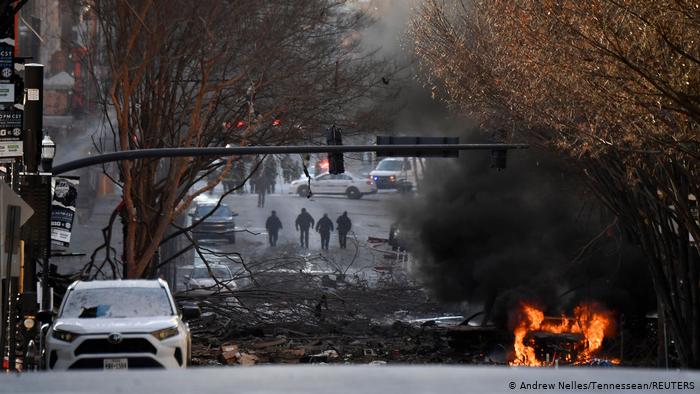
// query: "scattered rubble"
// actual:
[[348, 325], [291, 317]]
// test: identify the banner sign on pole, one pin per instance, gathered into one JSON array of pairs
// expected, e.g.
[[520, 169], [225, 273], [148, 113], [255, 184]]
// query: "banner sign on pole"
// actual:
[[65, 193], [7, 65], [11, 132]]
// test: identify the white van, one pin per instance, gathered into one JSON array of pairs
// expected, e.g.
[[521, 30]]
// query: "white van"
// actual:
[[400, 173]]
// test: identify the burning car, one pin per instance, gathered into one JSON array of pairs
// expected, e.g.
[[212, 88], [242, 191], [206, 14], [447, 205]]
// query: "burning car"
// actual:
[[542, 341]]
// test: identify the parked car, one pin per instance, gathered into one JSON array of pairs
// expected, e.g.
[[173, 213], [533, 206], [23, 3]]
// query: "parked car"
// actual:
[[201, 280], [352, 186], [218, 225], [396, 173], [119, 324]]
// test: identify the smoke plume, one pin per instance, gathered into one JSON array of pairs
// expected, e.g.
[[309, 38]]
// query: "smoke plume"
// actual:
[[528, 233]]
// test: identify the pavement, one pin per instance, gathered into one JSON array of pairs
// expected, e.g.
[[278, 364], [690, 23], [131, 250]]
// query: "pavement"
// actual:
[[87, 234]]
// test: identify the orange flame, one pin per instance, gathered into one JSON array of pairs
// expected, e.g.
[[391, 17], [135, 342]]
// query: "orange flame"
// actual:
[[589, 320]]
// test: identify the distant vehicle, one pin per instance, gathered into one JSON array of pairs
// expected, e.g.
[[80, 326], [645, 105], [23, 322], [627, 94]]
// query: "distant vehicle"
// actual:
[[200, 279], [347, 184], [119, 324], [219, 225], [396, 173]]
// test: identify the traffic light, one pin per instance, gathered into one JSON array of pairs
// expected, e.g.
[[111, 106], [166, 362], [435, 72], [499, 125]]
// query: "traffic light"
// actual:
[[498, 159], [335, 160]]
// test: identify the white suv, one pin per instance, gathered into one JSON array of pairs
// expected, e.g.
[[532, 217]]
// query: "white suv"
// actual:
[[119, 324]]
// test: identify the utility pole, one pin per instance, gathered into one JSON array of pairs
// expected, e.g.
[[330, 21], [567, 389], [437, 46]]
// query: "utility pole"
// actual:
[[11, 116], [35, 188], [30, 184]]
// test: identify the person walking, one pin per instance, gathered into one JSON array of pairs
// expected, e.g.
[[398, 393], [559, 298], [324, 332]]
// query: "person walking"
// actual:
[[344, 226], [303, 223], [261, 188], [228, 180], [238, 171], [325, 227], [270, 172], [273, 226], [286, 165]]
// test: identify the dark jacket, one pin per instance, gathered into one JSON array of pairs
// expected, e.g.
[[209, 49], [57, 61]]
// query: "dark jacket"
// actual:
[[273, 224], [261, 183], [304, 221], [344, 224], [324, 225]]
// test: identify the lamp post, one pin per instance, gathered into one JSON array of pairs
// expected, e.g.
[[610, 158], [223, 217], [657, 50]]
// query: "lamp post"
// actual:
[[48, 152]]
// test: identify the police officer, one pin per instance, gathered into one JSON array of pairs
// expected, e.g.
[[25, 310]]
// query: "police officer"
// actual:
[[324, 227], [303, 223], [344, 226], [273, 226]]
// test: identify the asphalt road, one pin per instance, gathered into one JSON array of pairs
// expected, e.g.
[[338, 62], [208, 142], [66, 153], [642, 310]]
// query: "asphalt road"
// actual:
[[357, 379], [371, 216]]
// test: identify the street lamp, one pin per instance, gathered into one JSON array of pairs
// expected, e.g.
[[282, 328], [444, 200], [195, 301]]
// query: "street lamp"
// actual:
[[48, 152]]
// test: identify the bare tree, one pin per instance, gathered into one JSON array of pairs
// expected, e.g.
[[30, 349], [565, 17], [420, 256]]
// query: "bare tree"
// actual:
[[209, 73], [614, 85]]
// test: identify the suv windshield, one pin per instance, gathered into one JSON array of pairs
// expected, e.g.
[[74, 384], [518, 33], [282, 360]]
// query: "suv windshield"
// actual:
[[390, 165], [219, 273], [221, 212], [117, 302]]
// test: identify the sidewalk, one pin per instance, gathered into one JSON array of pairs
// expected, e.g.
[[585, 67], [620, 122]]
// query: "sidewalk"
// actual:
[[87, 235]]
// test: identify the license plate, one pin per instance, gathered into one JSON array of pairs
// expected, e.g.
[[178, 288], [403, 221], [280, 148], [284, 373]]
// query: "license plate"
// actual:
[[116, 363]]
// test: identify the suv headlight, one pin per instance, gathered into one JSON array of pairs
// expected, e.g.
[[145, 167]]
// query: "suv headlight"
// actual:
[[65, 336], [165, 333]]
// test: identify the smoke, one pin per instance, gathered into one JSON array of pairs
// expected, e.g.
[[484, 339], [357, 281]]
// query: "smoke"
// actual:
[[528, 233], [81, 139], [495, 238]]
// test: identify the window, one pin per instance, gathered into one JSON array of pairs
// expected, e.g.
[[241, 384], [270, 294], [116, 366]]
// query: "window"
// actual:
[[223, 211], [389, 165], [219, 273], [117, 302], [326, 177]]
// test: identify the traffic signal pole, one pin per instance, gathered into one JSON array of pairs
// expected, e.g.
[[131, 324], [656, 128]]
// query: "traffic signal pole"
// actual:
[[10, 93], [406, 150]]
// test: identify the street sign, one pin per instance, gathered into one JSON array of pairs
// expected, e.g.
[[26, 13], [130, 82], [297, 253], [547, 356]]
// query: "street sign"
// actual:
[[7, 66], [11, 132], [7, 92], [32, 94]]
